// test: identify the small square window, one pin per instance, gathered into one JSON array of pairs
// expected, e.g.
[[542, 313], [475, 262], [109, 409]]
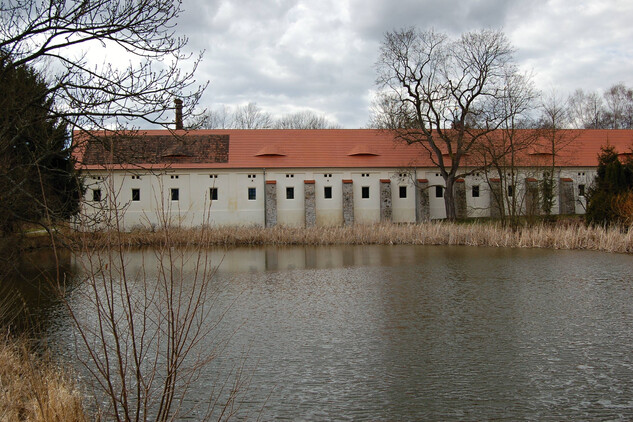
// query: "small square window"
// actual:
[[364, 192], [290, 193], [327, 192], [213, 194], [439, 191], [581, 190], [175, 194], [252, 194], [403, 191], [475, 191], [136, 194], [96, 195], [174, 176]]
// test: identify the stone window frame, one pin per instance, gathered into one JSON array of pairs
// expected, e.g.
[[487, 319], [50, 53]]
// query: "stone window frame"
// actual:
[[213, 193], [174, 194], [475, 191], [327, 192], [96, 195], [136, 194], [252, 194], [290, 192]]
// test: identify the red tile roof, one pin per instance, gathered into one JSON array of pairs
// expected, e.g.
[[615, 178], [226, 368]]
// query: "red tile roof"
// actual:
[[330, 148]]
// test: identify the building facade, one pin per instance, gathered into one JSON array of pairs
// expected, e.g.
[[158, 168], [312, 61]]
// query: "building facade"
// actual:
[[305, 178]]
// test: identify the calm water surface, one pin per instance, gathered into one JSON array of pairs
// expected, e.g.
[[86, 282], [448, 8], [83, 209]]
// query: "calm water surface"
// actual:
[[423, 333]]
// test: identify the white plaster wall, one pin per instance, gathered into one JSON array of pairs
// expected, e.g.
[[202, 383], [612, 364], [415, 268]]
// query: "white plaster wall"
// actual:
[[233, 207], [437, 209], [290, 212], [403, 209], [366, 211], [477, 206], [582, 176], [329, 212]]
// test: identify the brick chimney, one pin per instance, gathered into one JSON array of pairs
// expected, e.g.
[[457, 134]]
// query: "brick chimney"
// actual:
[[178, 103]]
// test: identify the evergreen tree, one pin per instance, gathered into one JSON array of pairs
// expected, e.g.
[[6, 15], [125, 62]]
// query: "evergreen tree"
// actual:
[[38, 183], [613, 181]]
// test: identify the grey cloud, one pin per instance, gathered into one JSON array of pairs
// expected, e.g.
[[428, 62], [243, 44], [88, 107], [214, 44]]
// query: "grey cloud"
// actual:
[[294, 54]]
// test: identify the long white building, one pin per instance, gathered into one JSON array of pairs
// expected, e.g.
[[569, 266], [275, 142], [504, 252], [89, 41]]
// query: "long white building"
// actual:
[[311, 177]]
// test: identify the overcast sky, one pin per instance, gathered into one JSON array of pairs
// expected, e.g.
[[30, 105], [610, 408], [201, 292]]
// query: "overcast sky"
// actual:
[[319, 55]]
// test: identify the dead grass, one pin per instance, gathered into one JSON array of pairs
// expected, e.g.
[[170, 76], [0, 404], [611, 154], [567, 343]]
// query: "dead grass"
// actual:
[[567, 236], [33, 389]]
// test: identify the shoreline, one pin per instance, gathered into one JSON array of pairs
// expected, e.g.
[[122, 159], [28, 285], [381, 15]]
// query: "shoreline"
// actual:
[[573, 236]]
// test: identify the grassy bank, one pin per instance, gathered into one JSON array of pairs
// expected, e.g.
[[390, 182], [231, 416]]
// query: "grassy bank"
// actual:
[[561, 236], [34, 389]]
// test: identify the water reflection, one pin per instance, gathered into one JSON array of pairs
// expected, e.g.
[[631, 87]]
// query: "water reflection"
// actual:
[[30, 285], [252, 259], [419, 333]]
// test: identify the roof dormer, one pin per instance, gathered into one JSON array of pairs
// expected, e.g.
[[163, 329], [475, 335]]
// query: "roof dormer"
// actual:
[[271, 151], [362, 149]]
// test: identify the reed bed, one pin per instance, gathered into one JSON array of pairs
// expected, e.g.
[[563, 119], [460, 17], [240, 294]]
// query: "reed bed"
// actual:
[[34, 389], [569, 236]]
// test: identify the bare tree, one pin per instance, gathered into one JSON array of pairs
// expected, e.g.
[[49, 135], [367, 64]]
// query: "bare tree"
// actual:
[[141, 336], [553, 123], [56, 35], [304, 120], [619, 101], [250, 116], [499, 152], [147, 330], [136, 83], [220, 118], [586, 110], [443, 94]]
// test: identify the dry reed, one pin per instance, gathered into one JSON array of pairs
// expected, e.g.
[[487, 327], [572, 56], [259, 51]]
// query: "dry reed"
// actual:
[[33, 389], [570, 236]]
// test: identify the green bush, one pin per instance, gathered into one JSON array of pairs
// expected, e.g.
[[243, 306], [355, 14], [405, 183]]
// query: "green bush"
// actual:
[[612, 181]]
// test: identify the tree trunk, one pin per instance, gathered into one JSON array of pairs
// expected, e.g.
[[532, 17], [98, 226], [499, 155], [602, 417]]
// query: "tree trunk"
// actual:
[[449, 198]]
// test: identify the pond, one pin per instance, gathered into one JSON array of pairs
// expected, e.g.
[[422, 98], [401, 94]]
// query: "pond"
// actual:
[[412, 332]]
